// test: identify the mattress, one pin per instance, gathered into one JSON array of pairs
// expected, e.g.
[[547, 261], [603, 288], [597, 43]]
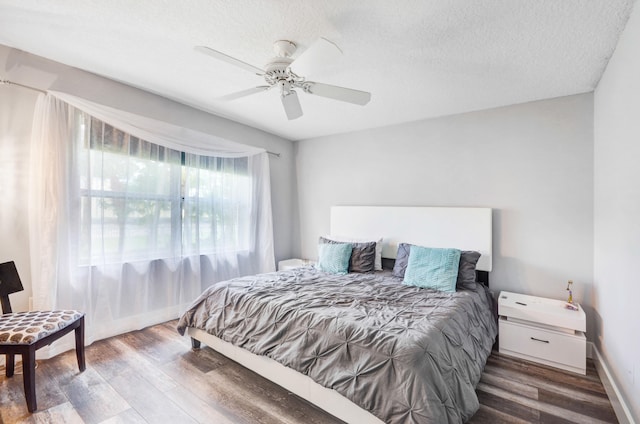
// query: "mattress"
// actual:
[[405, 354]]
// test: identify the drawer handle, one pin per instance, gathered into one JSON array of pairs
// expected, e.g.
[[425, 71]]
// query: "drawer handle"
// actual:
[[540, 340]]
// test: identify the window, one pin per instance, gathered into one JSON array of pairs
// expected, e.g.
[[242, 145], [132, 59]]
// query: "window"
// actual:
[[132, 220], [217, 204], [141, 201]]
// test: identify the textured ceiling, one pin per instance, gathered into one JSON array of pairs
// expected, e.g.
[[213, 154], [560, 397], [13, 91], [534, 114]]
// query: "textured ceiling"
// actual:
[[419, 59]]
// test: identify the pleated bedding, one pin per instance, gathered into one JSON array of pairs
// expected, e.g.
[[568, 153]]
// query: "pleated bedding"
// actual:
[[405, 354]]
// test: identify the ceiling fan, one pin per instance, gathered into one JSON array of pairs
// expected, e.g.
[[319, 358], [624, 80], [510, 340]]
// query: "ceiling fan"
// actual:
[[278, 73]]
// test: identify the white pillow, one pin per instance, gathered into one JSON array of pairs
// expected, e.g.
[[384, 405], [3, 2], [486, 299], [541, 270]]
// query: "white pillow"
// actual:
[[378, 261]]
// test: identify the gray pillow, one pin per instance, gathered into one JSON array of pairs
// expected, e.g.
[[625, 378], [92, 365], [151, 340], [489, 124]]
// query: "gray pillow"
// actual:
[[402, 260], [467, 269], [363, 255]]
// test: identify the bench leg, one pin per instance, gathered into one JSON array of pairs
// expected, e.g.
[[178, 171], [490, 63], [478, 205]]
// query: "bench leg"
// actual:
[[80, 345], [10, 364], [29, 377]]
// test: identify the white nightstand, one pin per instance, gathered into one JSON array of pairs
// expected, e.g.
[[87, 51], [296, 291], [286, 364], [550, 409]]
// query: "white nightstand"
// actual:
[[293, 263], [542, 330]]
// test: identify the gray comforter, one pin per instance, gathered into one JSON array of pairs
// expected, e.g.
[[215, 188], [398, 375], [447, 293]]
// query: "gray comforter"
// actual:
[[407, 355]]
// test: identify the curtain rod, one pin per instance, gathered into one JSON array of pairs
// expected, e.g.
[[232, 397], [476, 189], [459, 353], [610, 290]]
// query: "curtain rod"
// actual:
[[7, 82]]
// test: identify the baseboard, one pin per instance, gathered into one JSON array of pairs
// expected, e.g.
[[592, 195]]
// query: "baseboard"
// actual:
[[623, 413]]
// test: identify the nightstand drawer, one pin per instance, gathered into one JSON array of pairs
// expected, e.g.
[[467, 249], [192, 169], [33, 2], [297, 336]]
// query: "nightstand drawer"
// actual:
[[554, 348]]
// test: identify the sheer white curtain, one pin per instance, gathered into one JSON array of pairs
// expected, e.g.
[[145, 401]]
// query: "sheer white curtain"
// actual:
[[221, 215], [130, 231]]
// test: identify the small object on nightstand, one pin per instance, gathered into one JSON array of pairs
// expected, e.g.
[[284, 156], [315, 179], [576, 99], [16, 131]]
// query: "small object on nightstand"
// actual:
[[570, 305]]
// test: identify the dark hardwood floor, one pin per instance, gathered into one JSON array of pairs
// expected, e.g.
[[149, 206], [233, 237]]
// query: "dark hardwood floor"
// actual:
[[152, 376], [516, 391]]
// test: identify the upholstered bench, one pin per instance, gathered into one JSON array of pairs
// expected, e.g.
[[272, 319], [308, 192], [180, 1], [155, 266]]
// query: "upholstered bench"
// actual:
[[25, 332]]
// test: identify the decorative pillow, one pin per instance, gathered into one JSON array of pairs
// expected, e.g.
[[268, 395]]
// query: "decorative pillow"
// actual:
[[334, 258], [363, 255], [378, 242], [433, 268], [402, 259], [467, 269]]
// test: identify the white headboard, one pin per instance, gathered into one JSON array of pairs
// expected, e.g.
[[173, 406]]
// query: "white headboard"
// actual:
[[459, 228]]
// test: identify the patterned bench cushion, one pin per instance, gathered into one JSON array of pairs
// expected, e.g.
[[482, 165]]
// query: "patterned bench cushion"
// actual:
[[25, 328]]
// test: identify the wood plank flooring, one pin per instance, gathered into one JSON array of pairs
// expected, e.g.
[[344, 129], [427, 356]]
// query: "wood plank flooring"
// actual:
[[152, 376], [516, 391]]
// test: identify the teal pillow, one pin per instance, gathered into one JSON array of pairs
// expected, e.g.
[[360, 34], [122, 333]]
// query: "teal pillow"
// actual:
[[433, 268], [334, 258]]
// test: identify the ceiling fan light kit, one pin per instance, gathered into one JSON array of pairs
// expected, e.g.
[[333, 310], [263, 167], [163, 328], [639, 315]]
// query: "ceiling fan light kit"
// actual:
[[278, 72]]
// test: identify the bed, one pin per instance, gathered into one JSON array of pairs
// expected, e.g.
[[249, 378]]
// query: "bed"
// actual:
[[363, 346]]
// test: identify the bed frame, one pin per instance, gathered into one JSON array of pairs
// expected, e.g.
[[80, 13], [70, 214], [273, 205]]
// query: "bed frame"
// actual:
[[461, 228]]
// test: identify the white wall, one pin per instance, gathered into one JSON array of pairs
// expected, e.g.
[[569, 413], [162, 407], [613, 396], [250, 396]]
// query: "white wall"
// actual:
[[616, 291], [16, 114], [532, 163]]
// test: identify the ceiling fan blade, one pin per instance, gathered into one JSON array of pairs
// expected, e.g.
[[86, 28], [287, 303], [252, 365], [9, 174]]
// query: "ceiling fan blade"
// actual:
[[231, 60], [244, 93], [321, 53], [291, 105], [343, 94]]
